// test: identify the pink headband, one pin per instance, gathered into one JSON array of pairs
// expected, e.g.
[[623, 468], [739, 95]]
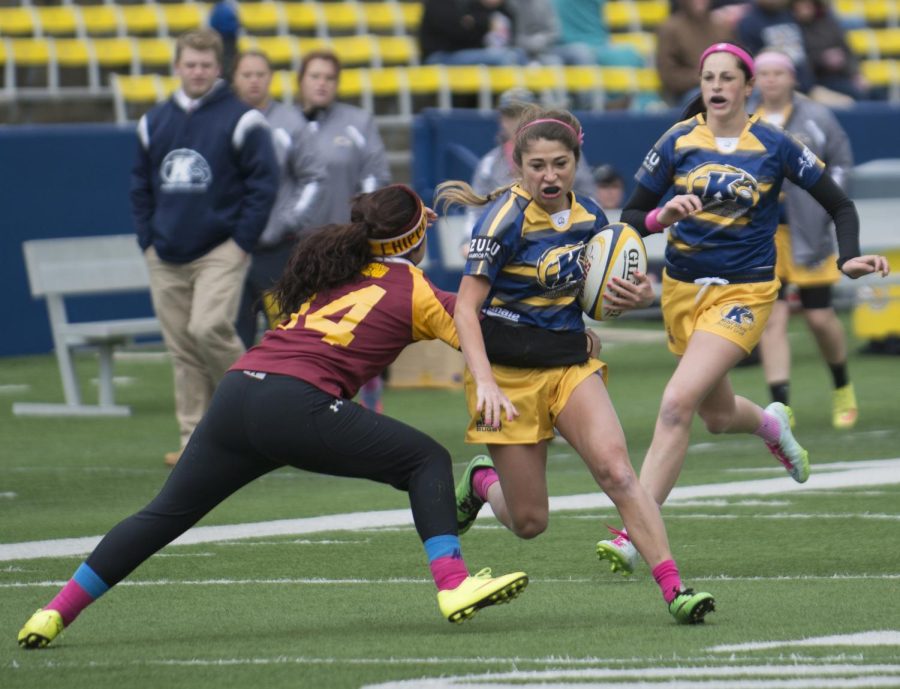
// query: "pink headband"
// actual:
[[739, 53], [577, 135], [772, 58]]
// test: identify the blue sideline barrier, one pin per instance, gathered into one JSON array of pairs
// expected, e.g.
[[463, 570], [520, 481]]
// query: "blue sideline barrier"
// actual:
[[72, 180]]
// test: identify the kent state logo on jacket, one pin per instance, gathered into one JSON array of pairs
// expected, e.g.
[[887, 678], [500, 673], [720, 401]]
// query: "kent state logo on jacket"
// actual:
[[560, 269], [184, 170], [726, 191], [738, 317]]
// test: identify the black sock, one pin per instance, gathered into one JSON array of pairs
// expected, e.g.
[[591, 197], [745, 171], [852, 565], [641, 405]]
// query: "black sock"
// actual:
[[780, 392], [839, 374]]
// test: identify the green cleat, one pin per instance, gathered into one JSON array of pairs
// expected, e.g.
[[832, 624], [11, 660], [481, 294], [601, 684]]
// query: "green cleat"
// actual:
[[480, 591], [690, 608], [467, 503], [42, 627], [787, 450]]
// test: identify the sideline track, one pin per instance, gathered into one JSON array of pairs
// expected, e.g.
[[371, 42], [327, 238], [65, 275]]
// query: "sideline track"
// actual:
[[834, 476]]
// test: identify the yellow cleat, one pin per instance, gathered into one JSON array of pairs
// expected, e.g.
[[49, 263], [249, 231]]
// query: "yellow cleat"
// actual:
[[844, 409], [41, 629], [480, 591]]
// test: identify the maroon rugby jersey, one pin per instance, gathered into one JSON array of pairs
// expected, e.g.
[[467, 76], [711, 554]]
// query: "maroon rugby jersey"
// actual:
[[344, 337]]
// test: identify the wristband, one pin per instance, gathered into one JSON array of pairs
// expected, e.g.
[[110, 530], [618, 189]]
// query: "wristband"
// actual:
[[651, 223]]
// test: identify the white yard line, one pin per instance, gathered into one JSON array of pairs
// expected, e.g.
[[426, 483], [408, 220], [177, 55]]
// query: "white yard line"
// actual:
[[879, 638], [827, 477]]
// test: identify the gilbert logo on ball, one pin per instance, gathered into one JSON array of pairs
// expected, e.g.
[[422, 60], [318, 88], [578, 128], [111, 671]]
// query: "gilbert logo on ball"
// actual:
[[616, 251]]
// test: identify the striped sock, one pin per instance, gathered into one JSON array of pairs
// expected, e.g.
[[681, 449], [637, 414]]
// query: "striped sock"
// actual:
[[446, 562], [668, 579], [81, 590]]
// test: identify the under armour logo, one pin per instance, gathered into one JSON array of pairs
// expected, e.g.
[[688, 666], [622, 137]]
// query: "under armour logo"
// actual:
[[336, 406]]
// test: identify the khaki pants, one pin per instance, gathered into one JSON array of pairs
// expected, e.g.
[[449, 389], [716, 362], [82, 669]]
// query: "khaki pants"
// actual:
[[196, 304]]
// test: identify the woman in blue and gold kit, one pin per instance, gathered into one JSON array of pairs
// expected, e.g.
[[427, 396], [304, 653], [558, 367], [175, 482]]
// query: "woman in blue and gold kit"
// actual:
[[725, 170], [520, 284], [356, 298]]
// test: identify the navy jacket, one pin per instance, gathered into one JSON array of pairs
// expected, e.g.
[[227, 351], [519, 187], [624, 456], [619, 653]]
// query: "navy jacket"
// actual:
[[203, 175]]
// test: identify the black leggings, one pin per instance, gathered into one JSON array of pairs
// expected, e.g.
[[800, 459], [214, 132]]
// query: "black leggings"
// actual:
[[818, 297], [254, 426]]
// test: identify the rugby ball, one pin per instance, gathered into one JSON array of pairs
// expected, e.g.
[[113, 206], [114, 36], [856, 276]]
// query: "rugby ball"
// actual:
[[616, 251]]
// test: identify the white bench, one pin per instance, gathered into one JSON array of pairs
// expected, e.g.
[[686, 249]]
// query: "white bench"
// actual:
[[60, 268]]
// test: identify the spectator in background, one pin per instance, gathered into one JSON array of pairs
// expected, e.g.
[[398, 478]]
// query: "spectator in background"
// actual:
[[302, 179], [202, 188], [834, 65], [582, 24], [804, 241], [680, 40], [609, 191], [346, 140], [468, 32], [538, 35], [224, 18], [771, 24]]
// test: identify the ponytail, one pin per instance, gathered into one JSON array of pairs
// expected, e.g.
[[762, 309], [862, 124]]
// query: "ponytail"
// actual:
[[456, 192]]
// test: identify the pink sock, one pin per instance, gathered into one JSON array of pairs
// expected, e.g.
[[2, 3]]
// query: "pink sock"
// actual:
[[666, 575], [70, 602], [770, 428], [448, 572], [482, 479]]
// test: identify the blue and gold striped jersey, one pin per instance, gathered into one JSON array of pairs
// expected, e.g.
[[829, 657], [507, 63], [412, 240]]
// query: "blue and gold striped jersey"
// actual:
[[732, 237], [533, 260]]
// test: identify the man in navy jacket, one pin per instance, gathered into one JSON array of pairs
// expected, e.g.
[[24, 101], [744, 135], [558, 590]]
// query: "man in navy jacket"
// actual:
[[202, 188]]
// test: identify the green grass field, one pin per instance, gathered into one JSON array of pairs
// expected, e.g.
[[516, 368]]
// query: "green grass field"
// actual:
[[807, 580]]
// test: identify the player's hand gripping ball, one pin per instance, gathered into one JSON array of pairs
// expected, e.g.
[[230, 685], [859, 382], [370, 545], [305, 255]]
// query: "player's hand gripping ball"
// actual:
[[616, 251]]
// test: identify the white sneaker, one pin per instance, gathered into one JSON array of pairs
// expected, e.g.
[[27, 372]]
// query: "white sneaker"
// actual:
[[620, 552], [787, 450]]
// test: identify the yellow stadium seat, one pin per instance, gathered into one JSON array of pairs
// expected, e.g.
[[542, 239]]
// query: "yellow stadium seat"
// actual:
[[622, 15], [261, 17], [652, 13], [387, 81], [115, 53], [642, 41], [382, 17], [282, 51], [282, 87], [356, 50], [307, 45], [30, 52], [467, 78], [425, 79], [504, 78], [72, 52], [17, 21], [140, 20], [301, 17], [352, 84], [398, 50], [144, 88], [619, 79], [58, 21], [182, 17], [168, 85], [544, 78], [100, 20], [862, 42], [411, 13], [342, 18], [881, 73], [648, 80], [888, 41], [155, 53], [880, 12]]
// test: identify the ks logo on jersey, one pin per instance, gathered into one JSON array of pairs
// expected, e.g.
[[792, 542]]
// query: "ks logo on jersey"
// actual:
[[726, 190], [184, 170], [560, 270]]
